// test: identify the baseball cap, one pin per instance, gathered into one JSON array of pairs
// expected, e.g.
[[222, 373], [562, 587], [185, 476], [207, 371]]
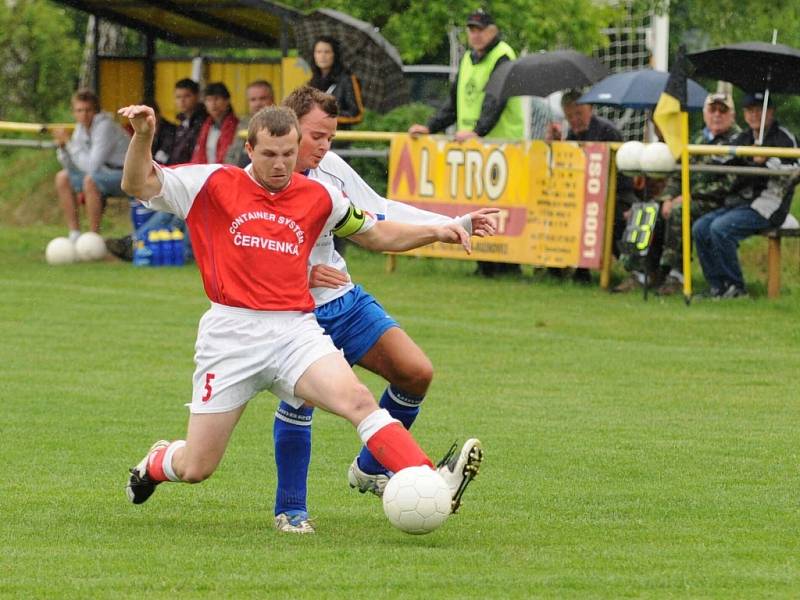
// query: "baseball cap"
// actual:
[[480, 18], [719, 98], [756, 98]]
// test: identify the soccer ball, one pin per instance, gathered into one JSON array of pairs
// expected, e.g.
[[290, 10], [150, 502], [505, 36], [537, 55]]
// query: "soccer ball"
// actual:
[[657, 160], [60, 251], [629, 156], [417, 500], [90, 246]]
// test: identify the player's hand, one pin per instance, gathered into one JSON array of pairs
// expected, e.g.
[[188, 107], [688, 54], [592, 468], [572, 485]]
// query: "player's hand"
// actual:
[[417, 130], [143, 118], [327, 277], [453, 233], [553, 132], [463, 136], [483, 222]]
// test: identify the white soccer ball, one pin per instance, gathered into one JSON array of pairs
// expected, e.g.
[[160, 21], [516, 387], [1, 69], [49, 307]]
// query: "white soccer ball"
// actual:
[[90, 246], [417, 500], [628, 158], [60, 251], [657, 160]]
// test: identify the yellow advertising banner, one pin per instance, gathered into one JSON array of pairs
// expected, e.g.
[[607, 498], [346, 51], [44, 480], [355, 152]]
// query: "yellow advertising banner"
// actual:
[[551, 196]]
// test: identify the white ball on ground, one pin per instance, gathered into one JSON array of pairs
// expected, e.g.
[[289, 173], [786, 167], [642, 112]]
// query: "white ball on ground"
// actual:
[[628, 158], [657, 160], [60, 251], [417, 500], [90, 246]]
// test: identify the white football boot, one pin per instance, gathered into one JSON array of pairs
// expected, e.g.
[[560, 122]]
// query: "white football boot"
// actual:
[[459, 469], [294, 521], [365, 482]]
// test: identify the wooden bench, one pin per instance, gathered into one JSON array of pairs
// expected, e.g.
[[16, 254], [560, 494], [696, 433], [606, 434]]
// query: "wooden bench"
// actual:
[[774, 237]]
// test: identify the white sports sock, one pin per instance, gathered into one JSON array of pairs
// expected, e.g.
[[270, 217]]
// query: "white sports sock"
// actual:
[[167, 464], [373, 422], [73, 235]]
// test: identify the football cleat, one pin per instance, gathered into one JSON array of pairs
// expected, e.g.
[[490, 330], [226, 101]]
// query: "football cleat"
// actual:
[[140, 487], [366, 482], [459, 469], [294, 521]]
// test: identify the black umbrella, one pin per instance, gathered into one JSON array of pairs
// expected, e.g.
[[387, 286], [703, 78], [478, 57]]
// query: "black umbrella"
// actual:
[[639, 89], [365, 52], [543, 73], [752, 66]]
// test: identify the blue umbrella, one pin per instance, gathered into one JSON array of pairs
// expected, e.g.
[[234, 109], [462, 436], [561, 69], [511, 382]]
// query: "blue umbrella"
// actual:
[[639, 90]]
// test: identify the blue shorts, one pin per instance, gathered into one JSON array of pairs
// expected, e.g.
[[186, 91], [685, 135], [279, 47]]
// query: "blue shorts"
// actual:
[[355, 322], [108, 181]]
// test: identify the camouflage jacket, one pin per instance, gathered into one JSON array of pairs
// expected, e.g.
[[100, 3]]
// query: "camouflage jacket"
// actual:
[[705, 187]]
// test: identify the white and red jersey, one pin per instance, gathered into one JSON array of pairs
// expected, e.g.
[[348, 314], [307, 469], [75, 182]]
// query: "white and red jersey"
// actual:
[[252, 245]]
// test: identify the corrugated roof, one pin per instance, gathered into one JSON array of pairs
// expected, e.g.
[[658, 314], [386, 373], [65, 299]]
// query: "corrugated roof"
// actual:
[[218, 23]]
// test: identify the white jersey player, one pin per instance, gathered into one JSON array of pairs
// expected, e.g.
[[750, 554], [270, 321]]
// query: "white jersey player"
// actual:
[[358, 325]]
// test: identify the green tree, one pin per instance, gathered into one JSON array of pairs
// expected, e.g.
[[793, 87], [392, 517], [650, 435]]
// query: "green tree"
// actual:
[[418, 28], [39, 58]]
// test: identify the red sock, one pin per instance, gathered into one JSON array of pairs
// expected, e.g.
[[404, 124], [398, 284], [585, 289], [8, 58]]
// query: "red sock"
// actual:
[[155, 465], [395, 449]]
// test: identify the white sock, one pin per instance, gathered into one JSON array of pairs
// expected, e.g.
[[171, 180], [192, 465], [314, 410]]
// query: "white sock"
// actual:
[[372, 423], [74, 234], [639, 276], [675, 274], [167, 464]]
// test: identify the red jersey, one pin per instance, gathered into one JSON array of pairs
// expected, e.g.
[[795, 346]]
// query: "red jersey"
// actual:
[[251, 245]]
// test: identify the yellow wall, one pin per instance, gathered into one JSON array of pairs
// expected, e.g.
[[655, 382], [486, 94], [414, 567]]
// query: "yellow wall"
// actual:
[[121, 82]]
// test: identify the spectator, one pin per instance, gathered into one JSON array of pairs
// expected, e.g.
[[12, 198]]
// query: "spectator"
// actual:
[[92, 157], [474, 113], [259, 94], [753, 204], [191, 116], [330, 75], [219, 129], [585, 126], [708, 190]]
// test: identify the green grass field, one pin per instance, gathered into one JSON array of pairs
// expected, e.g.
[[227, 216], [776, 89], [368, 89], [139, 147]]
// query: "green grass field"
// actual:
[[632, 449]]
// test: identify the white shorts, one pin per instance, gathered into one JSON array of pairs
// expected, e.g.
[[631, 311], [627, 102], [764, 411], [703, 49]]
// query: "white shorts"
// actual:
[[240, 352]]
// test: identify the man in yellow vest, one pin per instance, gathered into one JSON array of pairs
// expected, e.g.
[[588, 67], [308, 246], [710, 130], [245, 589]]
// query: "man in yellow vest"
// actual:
[[474, 113]]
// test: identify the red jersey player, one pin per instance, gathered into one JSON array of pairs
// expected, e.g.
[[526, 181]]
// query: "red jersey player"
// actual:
[[253, 231]]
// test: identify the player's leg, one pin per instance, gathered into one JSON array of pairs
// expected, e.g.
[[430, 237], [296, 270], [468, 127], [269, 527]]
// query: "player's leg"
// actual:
[[68, 201], [396, 358], [191, 461], [291, 434], [94, 202]]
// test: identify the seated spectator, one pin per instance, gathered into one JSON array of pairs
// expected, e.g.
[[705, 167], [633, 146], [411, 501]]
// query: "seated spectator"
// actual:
[[219, 129], [330, 75], [708, 190], [191, 116], [92, 157], [752, 205], [259, 94]]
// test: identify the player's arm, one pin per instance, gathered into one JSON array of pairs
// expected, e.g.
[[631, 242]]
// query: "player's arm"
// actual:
[[387, 236], [138, 175]]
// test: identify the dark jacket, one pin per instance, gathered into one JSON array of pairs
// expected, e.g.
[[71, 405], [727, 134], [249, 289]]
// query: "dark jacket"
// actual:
[[771, 197], [163, 141], [186, 136], [603, 130], [347, 91], [491, 109]]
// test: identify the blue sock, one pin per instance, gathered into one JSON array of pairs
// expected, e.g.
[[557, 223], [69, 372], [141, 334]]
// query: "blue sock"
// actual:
[[402, 406], [292, 436]]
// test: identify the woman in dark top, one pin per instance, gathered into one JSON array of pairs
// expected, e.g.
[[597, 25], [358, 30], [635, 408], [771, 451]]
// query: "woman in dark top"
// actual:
[[331, 76]]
